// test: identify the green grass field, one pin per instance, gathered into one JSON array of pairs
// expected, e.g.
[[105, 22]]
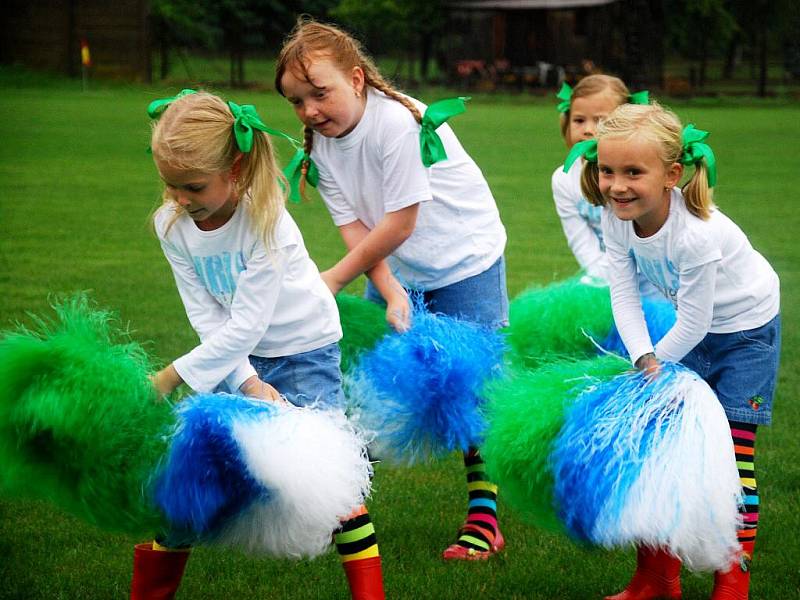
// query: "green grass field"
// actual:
[[76, 190]]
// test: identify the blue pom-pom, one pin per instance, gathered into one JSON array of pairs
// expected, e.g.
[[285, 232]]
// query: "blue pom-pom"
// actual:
[[204, 479], [659, 315], [420, 391], [592, 470]]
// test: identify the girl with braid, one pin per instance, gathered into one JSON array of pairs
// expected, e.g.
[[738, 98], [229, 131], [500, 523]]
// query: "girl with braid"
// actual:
[[404, 220], [726, 295]]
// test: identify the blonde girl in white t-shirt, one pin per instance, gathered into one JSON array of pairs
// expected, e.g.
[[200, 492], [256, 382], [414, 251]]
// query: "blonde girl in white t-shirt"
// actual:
[[411, 205], [582, 108], [726, 296], [267, 323]]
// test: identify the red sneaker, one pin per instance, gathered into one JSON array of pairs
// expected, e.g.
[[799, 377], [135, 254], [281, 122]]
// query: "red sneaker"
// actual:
[[457, 552]]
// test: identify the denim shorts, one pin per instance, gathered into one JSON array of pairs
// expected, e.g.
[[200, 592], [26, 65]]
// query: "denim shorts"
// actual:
[[305, 378], [742, 368], [482, 298]]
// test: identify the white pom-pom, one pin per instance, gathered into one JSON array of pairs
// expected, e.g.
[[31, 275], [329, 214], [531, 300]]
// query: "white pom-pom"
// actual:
[[314, 465]]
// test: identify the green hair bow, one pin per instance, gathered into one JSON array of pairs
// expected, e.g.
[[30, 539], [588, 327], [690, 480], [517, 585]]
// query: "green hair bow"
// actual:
[[565, 95], [157, 107], [695, 150], [437, 113], [586, 148], [246, 120], [294, 173]]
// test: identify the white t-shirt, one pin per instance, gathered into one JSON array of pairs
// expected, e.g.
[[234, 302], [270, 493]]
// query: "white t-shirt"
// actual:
[[580, 220], [377, 168], [717, 282], [242, 299]]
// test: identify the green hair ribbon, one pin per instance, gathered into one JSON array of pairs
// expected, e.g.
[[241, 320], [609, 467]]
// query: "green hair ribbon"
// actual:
[[695, 150], [157, 107], [294, 173], [246, 120], [642, 97], [565, 95], [586, 148], [437, 113]]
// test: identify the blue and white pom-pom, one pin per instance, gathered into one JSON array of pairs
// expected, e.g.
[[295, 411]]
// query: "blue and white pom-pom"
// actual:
[[651, 462], [260, 476], [419, 392]]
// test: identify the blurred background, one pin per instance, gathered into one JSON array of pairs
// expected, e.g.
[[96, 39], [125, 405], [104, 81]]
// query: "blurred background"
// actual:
[[679, 48]]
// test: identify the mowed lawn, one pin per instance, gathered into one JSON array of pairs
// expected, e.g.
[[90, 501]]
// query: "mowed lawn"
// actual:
[[76, 190]]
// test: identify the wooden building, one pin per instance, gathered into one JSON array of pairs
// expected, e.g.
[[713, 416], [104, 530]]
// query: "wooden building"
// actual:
[[542, 42], [47, 34]]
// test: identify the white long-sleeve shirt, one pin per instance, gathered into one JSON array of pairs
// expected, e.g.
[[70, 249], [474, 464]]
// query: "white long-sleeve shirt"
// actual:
[[580, 220], [715, 279], [243, 299]]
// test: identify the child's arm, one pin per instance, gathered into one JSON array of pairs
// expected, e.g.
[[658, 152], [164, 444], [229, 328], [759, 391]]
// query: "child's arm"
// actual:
[[626, 303], [581, 238], [694, 314], [371, 246], [398, 310]]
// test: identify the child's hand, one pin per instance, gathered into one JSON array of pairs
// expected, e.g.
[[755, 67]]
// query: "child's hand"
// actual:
[[255, 388], [166, 380], [398, 312], [649, 365]]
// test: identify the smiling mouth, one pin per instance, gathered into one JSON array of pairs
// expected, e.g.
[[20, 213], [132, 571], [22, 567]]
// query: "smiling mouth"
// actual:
[[623, 200], [320, 124]]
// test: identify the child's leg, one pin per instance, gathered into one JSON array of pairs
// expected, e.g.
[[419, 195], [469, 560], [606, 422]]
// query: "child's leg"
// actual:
[[358, 549], [734, 584], [157, 571], [480, 535]]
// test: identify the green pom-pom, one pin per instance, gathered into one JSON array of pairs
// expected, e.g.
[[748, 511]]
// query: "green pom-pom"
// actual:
[[79, 424], [363, 324], [557, 321], [525, 412]]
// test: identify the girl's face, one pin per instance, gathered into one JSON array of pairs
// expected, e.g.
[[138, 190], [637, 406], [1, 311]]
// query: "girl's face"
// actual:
[[635, 182], [329, 101], [209, 198], [586, 112]]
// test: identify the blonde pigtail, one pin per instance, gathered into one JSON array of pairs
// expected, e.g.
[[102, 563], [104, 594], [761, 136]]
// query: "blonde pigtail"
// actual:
[[698, 195], [590, 184], [259, 187]]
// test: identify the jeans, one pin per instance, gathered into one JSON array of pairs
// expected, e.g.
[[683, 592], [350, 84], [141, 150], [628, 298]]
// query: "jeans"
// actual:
[[742, 369], [482, 298]]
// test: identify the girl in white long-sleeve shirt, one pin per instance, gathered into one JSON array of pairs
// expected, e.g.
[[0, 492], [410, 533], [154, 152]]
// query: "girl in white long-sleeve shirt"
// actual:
[[725, 293], [582, 108], [268, 325]]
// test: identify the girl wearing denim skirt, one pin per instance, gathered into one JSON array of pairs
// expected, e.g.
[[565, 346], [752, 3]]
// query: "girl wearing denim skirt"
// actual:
[[268, 325], [413, 209], [725, 293]]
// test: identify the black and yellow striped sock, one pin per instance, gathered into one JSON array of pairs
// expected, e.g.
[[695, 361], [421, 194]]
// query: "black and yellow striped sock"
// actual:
[[356, 539]]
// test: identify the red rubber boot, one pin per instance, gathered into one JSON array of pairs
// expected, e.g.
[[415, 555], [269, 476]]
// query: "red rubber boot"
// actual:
[[365, 578], [657, 577], [734, 584], [156, 573]]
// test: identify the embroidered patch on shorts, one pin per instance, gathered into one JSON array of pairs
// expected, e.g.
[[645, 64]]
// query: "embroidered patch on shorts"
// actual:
[[756, 402]]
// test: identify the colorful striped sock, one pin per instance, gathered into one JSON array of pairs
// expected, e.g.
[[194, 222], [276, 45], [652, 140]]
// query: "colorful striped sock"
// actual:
[[744, 444], [356, 539], [480, 529]]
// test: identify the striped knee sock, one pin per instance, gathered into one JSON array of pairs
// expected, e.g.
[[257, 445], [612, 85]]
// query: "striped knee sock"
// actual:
[[356, 539], [480, 529], [744, 442]]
